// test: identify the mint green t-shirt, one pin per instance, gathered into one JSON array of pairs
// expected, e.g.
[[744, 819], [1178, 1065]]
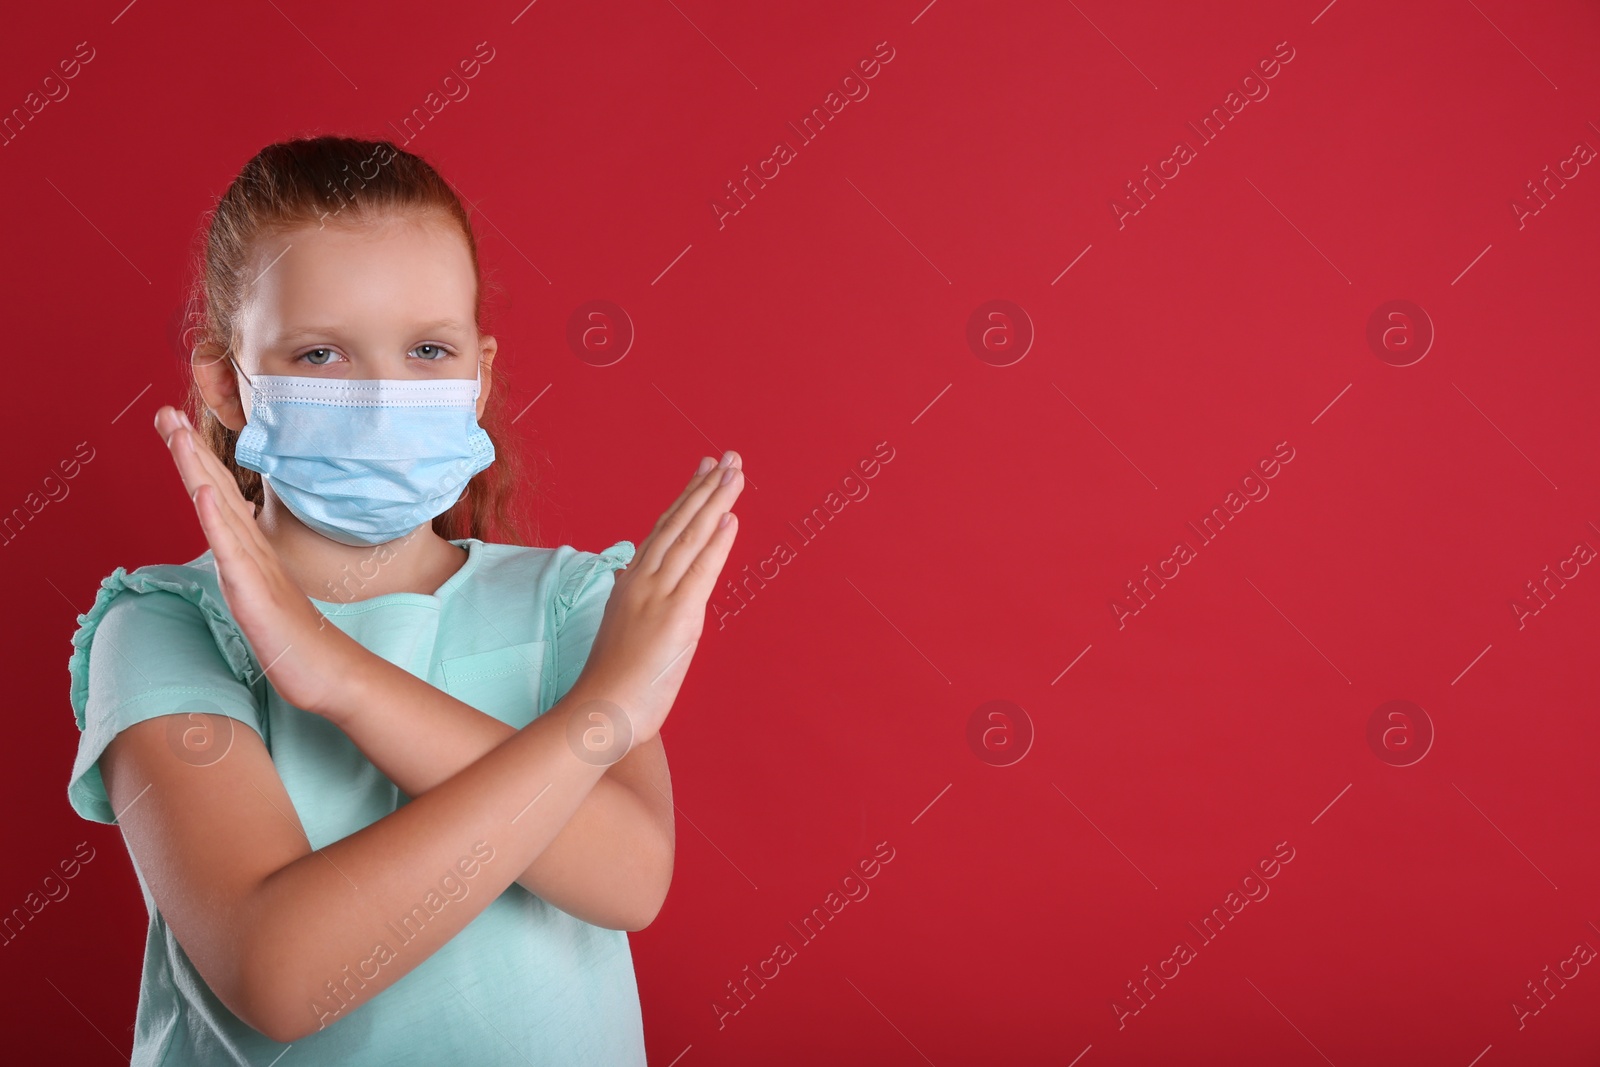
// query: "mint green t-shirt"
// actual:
[[508, 633]]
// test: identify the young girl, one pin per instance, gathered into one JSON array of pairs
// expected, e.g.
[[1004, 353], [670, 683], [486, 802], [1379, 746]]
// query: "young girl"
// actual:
[[393, 792]]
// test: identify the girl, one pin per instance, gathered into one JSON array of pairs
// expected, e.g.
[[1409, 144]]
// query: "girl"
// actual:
[[393, 792]]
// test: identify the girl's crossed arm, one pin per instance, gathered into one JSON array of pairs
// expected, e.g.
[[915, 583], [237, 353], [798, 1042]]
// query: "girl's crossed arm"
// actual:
[[610, 865], [273, 926]]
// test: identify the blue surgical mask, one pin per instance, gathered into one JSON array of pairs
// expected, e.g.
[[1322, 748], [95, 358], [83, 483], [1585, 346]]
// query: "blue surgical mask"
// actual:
[[364, 461]]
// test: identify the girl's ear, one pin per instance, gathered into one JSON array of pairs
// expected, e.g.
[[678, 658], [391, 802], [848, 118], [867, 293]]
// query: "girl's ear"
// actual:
[[214, 374], [487, 347]]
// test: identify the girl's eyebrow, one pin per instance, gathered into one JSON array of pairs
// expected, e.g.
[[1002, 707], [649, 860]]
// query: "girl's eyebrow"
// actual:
[[442, 324], [306, 332]]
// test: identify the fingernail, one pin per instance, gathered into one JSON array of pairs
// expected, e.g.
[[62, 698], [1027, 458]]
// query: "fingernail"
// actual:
[[184, 415], [705, 465], [188, 439], [727, 458], [727, 476]]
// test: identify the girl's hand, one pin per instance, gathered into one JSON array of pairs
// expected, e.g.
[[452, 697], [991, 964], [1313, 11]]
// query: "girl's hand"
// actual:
[[303, 657], [657, 610]]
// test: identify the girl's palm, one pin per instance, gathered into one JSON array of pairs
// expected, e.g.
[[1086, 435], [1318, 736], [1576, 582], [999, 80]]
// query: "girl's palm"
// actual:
[[657, 610], [288, 635]]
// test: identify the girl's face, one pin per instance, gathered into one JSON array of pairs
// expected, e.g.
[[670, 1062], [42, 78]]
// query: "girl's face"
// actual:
[[391, 299]]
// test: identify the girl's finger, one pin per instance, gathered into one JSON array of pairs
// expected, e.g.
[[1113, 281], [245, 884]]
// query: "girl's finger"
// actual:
[[199, 466], [239, 510], [187, 451], [224, 480], [700, 577], [237, 569], [244, 529], [188, 464], [672, 522], [699, 476], [217, 474], [234, 565], [685, 548], [705, 464]]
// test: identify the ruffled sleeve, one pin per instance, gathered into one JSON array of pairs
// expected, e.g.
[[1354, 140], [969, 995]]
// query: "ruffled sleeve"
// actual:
[[584, 586], [172, 579], [158, 640]]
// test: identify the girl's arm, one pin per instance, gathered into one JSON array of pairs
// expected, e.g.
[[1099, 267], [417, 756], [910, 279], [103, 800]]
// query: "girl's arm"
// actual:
[[610, 865], [290, 939]]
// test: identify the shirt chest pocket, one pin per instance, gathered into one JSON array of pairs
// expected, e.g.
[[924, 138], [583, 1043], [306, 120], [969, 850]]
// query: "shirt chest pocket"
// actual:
[[508, 683]]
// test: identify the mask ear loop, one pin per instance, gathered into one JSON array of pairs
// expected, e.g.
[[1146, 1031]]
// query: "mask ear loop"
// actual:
[[252, 382], [257, 505], [240, 369], [478, 376]]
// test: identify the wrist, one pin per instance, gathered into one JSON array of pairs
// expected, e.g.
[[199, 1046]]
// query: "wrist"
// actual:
[[600, 727], [353, 682]]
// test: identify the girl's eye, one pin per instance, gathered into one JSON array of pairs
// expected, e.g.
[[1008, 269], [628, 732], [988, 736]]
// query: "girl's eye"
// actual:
[[439, 351], [318, 357]]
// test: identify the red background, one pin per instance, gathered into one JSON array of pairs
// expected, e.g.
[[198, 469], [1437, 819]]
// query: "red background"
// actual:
[[830, 315]]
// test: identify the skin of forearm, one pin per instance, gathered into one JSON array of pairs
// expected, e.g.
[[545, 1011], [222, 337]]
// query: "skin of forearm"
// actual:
[[611, 865], [314, 920]]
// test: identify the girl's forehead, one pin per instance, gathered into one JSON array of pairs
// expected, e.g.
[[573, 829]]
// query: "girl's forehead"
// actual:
[[403, 269], [398, 246]]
